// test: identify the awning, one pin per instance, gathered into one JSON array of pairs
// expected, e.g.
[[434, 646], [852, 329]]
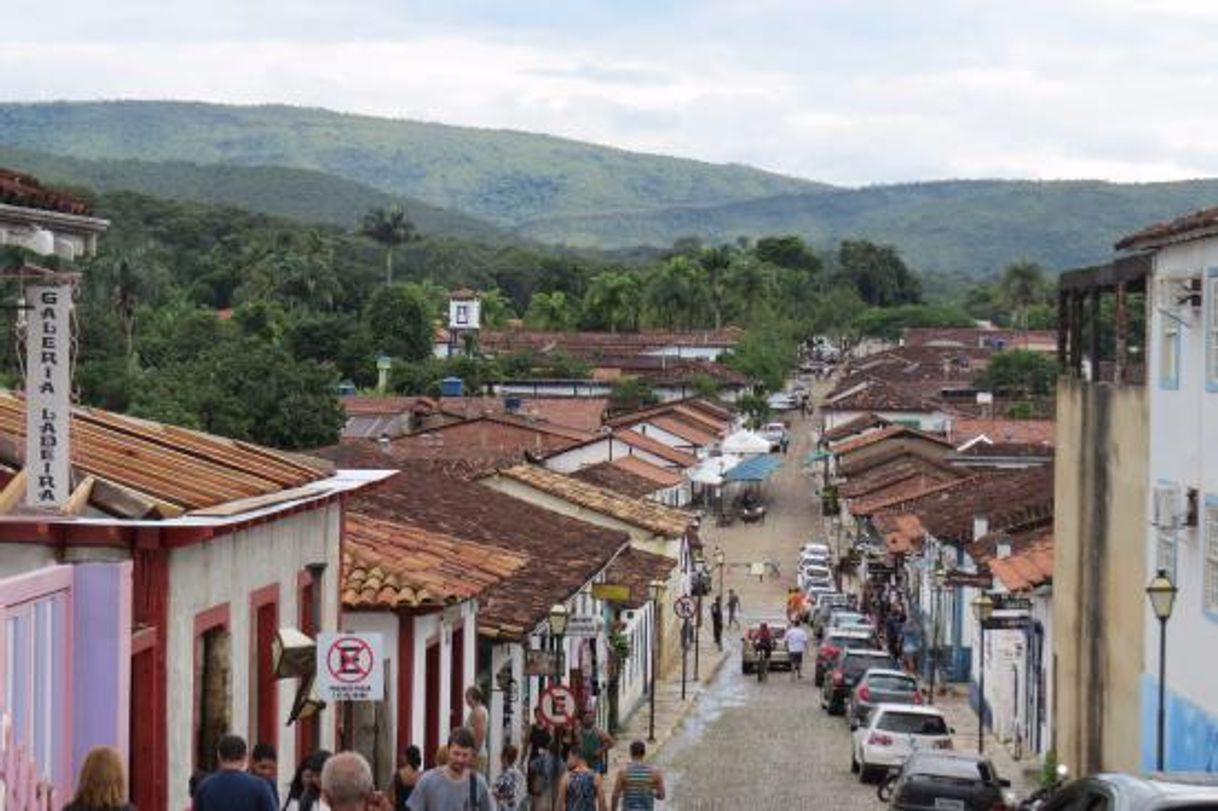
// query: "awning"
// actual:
[[712, 470], [816, 456], [756, 469], [745, 441]]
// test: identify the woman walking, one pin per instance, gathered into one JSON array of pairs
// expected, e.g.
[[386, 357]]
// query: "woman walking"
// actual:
[[102, 785]]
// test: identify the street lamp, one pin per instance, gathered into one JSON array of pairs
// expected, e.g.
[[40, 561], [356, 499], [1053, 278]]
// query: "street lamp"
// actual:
[[938, 576], [1162, 595], [983, 609], [558, 627], [655, 589], [720, 561]]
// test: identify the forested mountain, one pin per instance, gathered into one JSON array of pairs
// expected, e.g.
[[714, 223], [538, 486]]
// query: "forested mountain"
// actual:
[[301, 194], [536, 187], [507, 177]]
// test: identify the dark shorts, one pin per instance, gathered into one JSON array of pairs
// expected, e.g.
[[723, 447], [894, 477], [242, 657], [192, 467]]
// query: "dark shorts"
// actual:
[[797, 660]]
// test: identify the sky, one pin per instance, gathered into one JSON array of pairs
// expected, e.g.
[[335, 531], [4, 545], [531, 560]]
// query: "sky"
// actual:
[[855, 92]]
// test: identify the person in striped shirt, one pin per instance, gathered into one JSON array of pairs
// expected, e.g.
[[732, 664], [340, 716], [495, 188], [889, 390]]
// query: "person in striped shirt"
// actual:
[[638, 784]]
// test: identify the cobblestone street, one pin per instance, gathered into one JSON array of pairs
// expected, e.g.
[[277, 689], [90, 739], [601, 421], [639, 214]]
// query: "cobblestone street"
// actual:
[[762, 746]]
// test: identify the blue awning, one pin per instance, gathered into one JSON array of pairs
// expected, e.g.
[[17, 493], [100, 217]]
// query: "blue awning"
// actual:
[[755, 469], [816, 456]]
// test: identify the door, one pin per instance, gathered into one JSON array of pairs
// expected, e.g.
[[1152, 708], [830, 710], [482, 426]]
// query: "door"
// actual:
[[431, 726], [456, 681]]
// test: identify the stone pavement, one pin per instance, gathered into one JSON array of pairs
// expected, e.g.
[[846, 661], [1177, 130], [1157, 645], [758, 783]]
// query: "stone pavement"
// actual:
[[953, 702]]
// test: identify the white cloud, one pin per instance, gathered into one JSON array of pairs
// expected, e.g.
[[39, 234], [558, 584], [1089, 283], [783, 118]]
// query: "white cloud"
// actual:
[[850, 92]]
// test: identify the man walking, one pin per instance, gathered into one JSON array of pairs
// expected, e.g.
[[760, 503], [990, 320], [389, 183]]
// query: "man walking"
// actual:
[[638, 784], [346, 784], [716, 613], [797, 642], [595, 743], [232, 788], [454, 786], [733, 608]]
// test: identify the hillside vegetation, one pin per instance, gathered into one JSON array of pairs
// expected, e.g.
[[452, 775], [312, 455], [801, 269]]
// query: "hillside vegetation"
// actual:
[[508, 177], [299, 194]]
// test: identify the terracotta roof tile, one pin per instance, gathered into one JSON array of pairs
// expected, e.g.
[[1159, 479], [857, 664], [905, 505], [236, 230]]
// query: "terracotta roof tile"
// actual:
[[876, 395], [656, 448], [898, 469], [681, 428], [902, 533], [489, 441], [883, 435], [977, 337], [562, 553], [1198, 223], [854, 426], [590, 344], [662, 476], [961, 430], [1030, 562], [583, 414], [696, 411], [636, 568], [17, 189], [648, 515], [913, 486], [363, 405], [391, 565]]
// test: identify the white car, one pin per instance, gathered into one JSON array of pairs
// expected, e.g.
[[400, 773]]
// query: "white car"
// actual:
[[814, 576], [782, 402], [815, 549], [813, 559], [892, 733]]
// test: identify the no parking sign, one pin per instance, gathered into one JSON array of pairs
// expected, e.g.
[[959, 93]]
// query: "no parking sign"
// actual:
[[349, 667]]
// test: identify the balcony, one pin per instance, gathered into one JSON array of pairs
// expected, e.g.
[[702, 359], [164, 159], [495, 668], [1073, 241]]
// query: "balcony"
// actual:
[[1101, 322]]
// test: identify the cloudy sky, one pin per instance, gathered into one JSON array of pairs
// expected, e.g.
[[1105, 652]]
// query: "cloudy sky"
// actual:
[[851, 92]]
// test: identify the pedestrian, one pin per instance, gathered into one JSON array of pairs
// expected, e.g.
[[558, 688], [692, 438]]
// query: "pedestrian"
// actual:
[[733, 609], [476, 722], [797, 643], [410, 768], [763, 643], [346, 785], [581, 789], [544, 772], [638, 784], [264, 762], [102, 785], [716, 613], [595, 743], [305, 791], [510, 789], [232, 788], [454, 786]]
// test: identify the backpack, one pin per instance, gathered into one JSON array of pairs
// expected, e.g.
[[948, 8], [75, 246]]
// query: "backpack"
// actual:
[[541, 774]]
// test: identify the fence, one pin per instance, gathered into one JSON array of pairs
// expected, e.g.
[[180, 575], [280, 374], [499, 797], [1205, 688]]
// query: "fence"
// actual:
[[22, 787]]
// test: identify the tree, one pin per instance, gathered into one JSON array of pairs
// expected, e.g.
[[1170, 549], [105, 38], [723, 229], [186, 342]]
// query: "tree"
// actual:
[[787, 251], [715, 261], [835, 316], [630, 394], [1022, 286], [496, 309], [766, 354], [1019, 373], [390, 228], [613, 301], [888, 323], [551, 311], [877, 273], [400, 319], [677, 294], [750, 285]]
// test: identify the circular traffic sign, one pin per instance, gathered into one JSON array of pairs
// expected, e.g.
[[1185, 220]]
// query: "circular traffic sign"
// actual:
[[350, 660], [557, 706], [684, 606]]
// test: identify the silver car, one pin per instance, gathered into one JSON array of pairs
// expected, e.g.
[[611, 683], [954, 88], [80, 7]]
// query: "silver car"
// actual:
[[881, 686]]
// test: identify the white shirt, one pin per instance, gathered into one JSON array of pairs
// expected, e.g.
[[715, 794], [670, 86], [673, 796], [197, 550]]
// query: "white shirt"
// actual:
[[796, 639]]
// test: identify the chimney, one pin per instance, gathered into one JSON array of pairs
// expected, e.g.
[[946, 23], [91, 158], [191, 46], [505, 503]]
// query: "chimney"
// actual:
[[981, 525]]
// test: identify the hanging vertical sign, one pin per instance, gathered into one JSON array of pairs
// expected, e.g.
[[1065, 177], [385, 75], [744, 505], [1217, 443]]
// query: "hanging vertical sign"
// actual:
[[48, 397]]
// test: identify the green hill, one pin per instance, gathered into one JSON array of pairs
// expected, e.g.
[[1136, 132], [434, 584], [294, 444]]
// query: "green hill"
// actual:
[[507, 177], [969, 227], [298, 194]]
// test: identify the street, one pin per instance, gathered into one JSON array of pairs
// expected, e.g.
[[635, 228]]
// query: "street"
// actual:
[[751, 745]]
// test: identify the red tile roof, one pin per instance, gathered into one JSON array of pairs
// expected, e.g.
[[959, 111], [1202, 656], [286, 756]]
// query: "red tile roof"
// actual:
[[875, 395], [490, 441], [977, 337], [390, 565], [17, 189], [857, 425], [610, 476], [363, 405], [902, 532], [590, 344], [656, 448], [563, 553], [583, 414], [1191, 226], [962, 429], [680, 428], [636, 569], [897, 469], [693, 410], [883, 435], [1030, 562], [662, 476], [900, 491]]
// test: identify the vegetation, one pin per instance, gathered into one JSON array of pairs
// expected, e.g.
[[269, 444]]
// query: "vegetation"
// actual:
[[1019, 373]]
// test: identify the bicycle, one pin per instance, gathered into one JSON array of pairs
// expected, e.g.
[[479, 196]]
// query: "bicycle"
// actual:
[[763, 665]]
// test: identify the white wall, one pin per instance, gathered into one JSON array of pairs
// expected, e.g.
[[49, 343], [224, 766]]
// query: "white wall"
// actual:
[[935, 421], [226, 569], [21, 558]]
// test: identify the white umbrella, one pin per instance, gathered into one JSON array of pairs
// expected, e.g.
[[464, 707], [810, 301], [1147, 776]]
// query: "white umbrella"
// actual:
[[745, 441], [710, 471]]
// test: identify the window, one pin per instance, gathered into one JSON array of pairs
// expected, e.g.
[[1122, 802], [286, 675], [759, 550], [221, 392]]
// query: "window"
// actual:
[[462, 313], [1166, 519], [1211, 554], [1211, 330], [1169, 336]]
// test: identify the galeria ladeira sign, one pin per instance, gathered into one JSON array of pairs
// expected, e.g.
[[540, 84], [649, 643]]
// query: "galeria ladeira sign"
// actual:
[[48, 400]]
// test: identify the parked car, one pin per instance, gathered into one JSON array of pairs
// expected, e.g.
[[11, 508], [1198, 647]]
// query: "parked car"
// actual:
[[781, 401], [814, 558], [827, 603], [878, 686], [779, 658], [892, 734], [847, 669], [815, 547], [817, 590], [836, 642], [947, 780], [814, 575], [1123, 792], [844, 618], [775, 433]]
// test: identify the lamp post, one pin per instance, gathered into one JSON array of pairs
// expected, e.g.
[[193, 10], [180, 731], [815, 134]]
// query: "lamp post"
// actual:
[[655, 590], [1162, 595], [983, 609], [938, 575], [721, 562], [558, 627]]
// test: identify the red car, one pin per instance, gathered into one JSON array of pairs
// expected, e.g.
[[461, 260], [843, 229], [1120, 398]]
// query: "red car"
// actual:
[[834, 643]]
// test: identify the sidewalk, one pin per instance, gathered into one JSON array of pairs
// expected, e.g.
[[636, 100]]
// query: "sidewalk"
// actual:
[[1024, 774], [670, 709]]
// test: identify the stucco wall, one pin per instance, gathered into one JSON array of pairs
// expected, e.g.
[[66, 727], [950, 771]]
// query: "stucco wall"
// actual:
[[1099, 573], [226, 569]]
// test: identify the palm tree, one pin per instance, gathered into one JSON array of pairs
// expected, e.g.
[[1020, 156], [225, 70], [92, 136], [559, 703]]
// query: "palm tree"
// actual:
[[750, 284], [389, 228], [1021, 287], [613, 299], [677, 294], [715, 261]]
